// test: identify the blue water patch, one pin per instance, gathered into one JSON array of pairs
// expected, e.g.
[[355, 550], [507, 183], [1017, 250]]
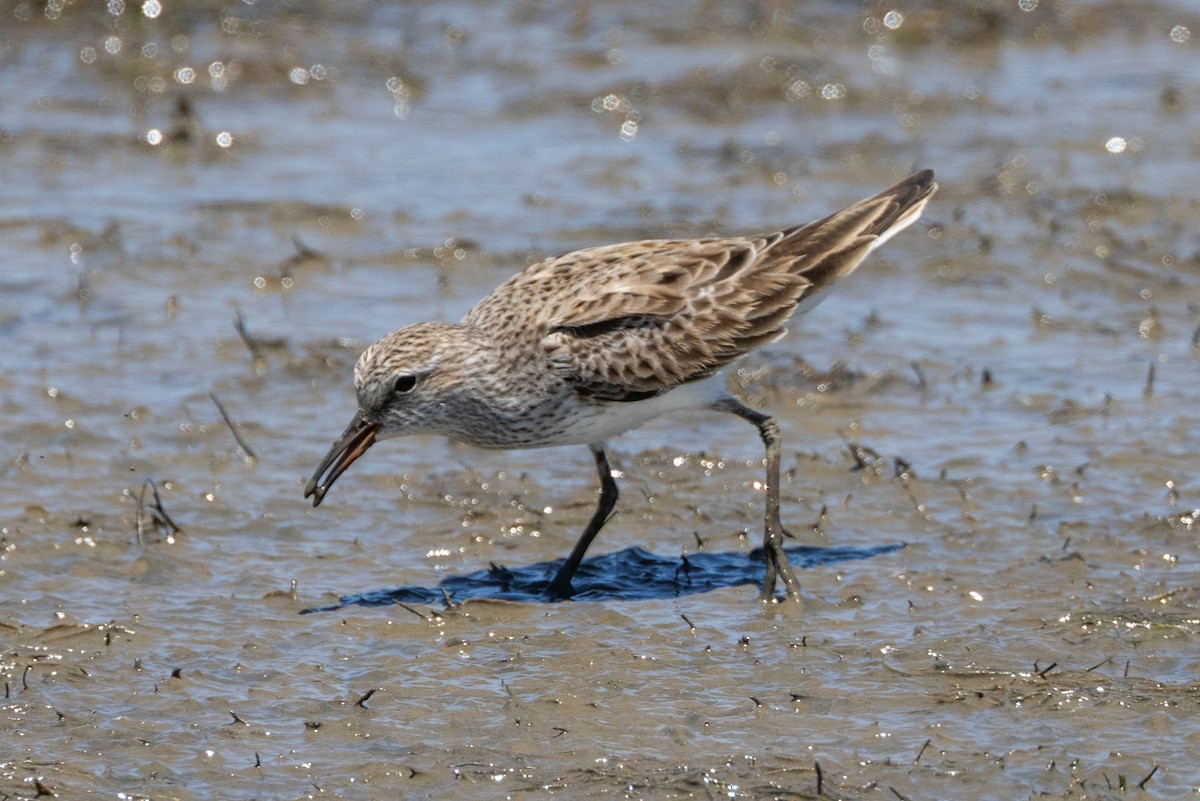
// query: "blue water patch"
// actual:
[[629, 575]]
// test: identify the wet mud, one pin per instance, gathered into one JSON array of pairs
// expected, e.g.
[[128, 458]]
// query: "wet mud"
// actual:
[[207, 210]]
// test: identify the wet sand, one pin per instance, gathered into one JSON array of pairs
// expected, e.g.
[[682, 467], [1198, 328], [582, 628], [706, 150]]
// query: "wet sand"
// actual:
[[989, 431]]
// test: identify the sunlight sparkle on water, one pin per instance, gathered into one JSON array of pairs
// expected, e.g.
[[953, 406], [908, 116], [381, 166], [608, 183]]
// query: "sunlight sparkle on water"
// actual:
[[401, 96], [797, 89]]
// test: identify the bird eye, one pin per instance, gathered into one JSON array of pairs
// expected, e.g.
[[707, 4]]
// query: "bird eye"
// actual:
[[405, 384]]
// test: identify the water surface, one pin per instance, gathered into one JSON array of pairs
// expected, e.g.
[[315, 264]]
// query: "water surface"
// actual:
[[1008, 389]]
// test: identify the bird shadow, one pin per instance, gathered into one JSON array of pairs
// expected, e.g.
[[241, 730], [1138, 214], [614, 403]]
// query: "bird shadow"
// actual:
[[629, 575]]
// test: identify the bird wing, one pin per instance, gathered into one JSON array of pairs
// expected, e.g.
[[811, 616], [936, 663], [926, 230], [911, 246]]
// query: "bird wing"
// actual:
[[677, 313], [624, 322]]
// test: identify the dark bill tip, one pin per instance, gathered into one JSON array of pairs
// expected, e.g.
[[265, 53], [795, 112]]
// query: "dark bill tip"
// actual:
[[353, 443]]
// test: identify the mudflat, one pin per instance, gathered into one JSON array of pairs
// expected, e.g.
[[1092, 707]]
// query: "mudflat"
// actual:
[[989, 431]]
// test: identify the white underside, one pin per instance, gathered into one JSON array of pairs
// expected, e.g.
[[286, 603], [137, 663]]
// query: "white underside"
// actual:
[[613, 419]]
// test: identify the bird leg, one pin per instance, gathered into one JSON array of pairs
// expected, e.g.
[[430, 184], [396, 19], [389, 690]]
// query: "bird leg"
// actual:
[[773, 553], [560, 586]]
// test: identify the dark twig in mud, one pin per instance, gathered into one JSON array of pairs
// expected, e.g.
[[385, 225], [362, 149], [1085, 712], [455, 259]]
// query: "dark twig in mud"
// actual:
[[1142, 783], [239, 325], [820, 776], [905, 475], [255, 344], [42, 790], [859, 463], [922, 751], [237, 718], [1042, 673], [860, 453], [691, 625], [233, 428], [684, 569], [1098, 664], [158, 517], [818, 525], [185, 127], [410, 609], [362, 702], [303, 255], [916, 368], [1148, 392], [898, 794]]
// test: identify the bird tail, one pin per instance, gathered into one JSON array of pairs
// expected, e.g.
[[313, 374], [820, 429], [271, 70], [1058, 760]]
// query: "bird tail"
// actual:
[[829, 249], [794, 269]]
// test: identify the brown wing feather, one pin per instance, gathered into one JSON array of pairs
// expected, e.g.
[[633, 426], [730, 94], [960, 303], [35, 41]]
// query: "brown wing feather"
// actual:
[[626, 321]]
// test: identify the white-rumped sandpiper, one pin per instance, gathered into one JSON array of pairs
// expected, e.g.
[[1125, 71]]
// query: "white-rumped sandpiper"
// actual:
[[583, 347]]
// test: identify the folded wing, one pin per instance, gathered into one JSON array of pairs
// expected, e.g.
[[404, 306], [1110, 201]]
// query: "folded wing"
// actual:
[[624, 322]]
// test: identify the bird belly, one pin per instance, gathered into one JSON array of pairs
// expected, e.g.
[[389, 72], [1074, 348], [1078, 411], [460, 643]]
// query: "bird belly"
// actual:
[[584, 422]]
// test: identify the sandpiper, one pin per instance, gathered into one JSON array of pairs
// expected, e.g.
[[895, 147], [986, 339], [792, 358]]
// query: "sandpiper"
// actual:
[[583, 347]]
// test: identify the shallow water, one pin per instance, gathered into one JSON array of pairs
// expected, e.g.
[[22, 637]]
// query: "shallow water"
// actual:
[[1008, 389]]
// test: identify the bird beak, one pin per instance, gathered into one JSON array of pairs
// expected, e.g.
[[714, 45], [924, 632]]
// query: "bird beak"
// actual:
[[353, 443]]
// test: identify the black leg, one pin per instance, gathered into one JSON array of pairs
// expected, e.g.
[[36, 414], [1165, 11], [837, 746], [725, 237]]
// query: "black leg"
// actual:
[[560, 587], [773, 553]]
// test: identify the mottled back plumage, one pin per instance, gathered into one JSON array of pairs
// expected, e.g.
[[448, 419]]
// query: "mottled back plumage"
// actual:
[[622, 322]]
